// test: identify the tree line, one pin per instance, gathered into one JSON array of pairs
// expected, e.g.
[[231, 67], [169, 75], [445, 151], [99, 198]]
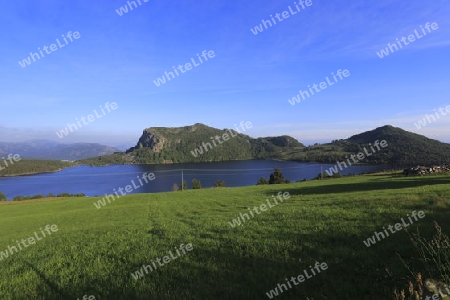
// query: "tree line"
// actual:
[[34, 166], [3, 197]]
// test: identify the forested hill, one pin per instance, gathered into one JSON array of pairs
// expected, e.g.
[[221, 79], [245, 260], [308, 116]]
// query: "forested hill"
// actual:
[[32, 166], [405, 148], [177, 145], [160, 145]]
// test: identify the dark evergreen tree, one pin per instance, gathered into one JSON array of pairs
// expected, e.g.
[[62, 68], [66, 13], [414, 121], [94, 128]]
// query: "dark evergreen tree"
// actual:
[[276, 177]]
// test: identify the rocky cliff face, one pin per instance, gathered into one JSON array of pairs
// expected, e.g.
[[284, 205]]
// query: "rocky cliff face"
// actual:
[[150, 140]]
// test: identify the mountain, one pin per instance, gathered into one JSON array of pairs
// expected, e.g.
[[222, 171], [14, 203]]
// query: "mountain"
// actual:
[[201, 143], [43, 149], [197, 143], [404, 147]]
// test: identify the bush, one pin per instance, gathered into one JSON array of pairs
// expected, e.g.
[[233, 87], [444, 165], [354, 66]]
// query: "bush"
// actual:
[[2, 197], [196, 185], [262, 181], [326, 176], [337, 175], [175, 187], [219, 183], [321, 175]]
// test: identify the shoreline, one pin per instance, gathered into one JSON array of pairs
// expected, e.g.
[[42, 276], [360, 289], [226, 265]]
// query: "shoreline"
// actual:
[[46, 199], [33, 173], [219, 161], [172, 163]]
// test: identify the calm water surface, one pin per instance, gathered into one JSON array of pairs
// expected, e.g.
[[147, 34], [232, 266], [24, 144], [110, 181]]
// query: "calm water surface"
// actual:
[[97, 181]]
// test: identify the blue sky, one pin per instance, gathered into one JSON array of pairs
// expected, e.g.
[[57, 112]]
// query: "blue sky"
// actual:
[[251, 77]]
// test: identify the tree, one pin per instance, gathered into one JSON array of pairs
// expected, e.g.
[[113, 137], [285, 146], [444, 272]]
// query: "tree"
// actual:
[[219, 183], [276, 177], [262, 181], [2, 197], [175, 187], [196, 184]]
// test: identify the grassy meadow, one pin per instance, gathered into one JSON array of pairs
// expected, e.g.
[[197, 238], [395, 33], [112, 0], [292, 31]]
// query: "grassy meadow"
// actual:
[[95, 251]]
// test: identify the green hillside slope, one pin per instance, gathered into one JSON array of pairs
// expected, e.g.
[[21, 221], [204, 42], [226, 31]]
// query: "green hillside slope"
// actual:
[[95, 251]]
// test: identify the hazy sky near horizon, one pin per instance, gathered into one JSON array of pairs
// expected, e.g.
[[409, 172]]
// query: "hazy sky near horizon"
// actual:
[[251, 77]]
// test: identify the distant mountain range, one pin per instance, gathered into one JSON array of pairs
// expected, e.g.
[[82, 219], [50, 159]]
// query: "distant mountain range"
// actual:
[[199, 143], [43, 149]]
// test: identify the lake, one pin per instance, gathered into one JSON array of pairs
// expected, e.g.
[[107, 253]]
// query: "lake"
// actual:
[[98, 181]]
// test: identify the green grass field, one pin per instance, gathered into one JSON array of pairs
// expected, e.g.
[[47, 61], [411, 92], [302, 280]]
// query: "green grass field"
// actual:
[[95, 251]]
